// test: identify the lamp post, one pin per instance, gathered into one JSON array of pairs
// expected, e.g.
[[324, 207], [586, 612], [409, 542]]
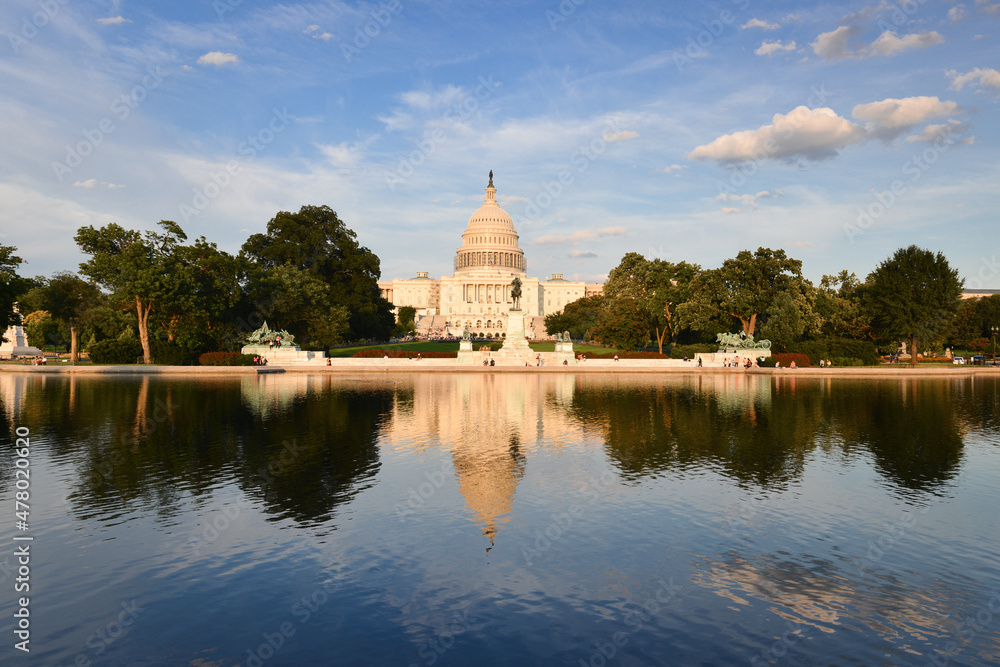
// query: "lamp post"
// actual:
[[994, 331]]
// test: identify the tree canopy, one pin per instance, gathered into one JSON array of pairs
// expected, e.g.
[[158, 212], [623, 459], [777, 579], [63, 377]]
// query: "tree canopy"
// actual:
[[316, 241], [912, 296], [11, 285]]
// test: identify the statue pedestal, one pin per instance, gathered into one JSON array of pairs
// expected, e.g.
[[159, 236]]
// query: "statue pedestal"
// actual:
[[465, 354], [515, 350], [564, 352], [17, 345], [286, 354]]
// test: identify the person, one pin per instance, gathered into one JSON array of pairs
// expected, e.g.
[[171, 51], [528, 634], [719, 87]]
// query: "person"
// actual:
[[699, 362], [538, 360], [829, 364], [493, 362], [486, 362], [565, 362], [822, 362], [419, 356], [792, 365], [616, 357], [329, 362], [777, 364]]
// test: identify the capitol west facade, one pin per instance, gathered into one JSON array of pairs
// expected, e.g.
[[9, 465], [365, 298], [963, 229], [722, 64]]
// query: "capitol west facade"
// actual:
[[477, 295]]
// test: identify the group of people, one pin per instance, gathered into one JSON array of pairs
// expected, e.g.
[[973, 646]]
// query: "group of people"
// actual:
[[736, 362], [275, 342], [259, 360], [39, 361]]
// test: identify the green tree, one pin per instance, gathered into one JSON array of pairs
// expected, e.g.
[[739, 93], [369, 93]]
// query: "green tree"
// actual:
[[623, 325], [742, 288], [316, 241], [11, 286], [41, 329], [406, 321], [838, 303], [577, 317], [657, 287], [69, 299], [143, 272], [790, 316], [912, 296], [300, 304]]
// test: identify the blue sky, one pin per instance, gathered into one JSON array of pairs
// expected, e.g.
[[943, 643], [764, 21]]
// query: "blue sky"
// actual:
[[681, 130]]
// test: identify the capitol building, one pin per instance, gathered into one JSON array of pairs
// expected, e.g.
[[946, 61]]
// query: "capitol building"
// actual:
[[477, 295]]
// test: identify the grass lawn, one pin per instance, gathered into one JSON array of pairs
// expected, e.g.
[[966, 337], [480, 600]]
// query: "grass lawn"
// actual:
[[435, 346]]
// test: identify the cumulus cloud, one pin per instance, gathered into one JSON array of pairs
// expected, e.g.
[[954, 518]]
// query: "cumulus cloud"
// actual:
[[581, 235], [812, 134], [728, 210], [985, 78], [580, 254], [624, 135], [758, 23], [932, 133], [890, 118], [834, 45], [768, 48], [889, 43], [957, 13], [114, 20], [218, 58]]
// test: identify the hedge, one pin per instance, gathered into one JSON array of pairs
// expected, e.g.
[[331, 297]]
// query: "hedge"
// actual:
[[839, 348], [225, 359], [786, 359], [114, 351], [690, 351], [403, 354]]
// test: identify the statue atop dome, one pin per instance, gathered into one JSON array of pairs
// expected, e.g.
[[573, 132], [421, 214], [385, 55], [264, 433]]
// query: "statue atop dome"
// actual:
[[491, 179]]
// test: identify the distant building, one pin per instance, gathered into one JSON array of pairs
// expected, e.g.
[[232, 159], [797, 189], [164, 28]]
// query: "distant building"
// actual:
[[979, 293], [477, 295]]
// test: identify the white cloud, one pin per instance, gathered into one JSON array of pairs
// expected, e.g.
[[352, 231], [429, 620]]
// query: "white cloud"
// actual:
[[673, 169], [758, 23], [314, 32], [624, 135], [748, 199], [581, 235], [767, 48], [889, 44], [580, 254], [890, 118], [986, 78], [813, 134], [833, 45], [92, 183], [218, 58], [728, 210], [957, 13], [932, 133], [985, 6], [114, 20]]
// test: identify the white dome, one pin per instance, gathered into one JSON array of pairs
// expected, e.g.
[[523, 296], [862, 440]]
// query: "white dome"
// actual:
[[490, 240]]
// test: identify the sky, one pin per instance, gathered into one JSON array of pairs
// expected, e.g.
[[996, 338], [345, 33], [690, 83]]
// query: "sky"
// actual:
[[684, 131]]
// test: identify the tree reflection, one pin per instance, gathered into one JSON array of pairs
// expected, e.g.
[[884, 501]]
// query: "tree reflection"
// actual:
[[762, 431], [146, 442]]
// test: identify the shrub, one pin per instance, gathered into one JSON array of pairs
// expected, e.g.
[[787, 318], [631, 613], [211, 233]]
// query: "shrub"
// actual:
[[831, 348], [115, 351], [171, 353], [489, 347], [690, 351], [403, 354], [786, 359], [847, 361], [225, 359]]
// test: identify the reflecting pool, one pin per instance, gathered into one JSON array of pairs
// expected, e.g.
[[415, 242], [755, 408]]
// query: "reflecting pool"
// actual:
[[506, 519]]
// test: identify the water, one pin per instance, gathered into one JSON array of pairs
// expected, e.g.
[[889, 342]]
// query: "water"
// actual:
[[507, 520]]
